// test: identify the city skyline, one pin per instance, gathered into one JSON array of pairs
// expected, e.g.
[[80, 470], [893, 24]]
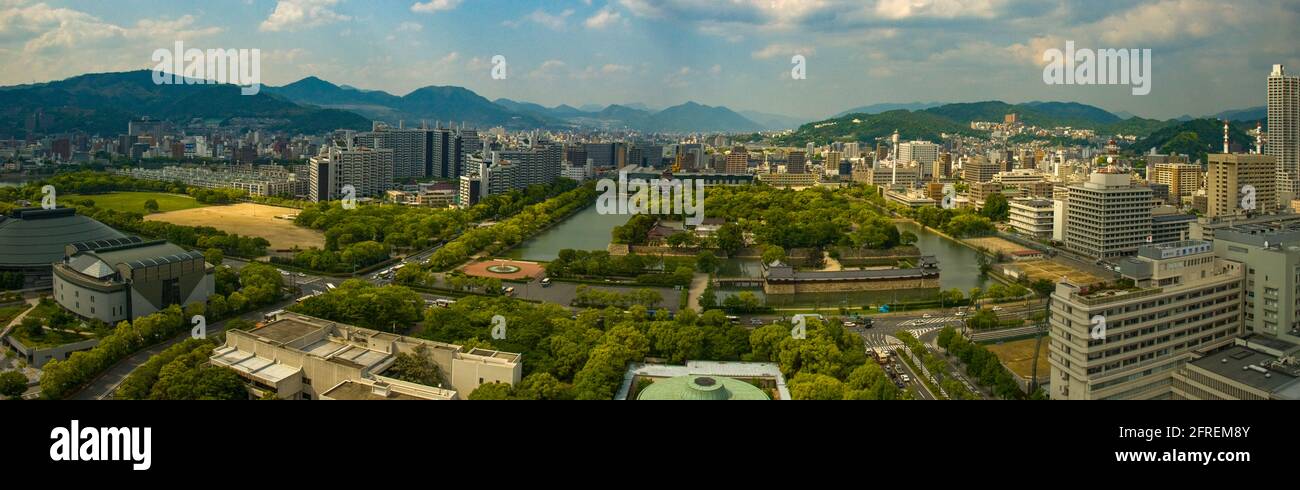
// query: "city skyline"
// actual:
[[1207, 57]]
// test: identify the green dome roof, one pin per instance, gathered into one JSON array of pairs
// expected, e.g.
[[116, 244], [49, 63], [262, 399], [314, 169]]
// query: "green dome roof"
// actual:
[[701, 388]]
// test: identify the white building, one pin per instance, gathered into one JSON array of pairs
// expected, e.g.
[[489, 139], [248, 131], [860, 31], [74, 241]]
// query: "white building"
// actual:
[[1033, 217]]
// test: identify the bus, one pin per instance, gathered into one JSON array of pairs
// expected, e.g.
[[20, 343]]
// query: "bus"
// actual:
[[331, 286], [270, 317]]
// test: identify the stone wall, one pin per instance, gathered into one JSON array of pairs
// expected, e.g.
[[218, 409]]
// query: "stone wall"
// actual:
[[850, 286]]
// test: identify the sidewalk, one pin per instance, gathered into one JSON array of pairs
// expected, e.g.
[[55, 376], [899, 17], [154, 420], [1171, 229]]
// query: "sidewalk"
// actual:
[[19, 319]]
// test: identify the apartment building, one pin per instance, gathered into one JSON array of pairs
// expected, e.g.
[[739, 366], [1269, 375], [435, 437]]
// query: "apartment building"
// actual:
[[1033, 217]]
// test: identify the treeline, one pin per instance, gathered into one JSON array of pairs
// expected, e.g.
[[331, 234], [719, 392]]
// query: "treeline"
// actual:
[[491, 240], [810, 218], [589, 297], [357, 302], [582, 264], [585, 357], [182, 372], [937, 367], [982, 365], [99, 183], [962, 223], [260, 286]]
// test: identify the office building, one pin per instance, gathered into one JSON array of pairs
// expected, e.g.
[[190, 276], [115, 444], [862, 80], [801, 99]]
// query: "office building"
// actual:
[[127, 278], [737, 161], [1284, 128], [1170, 225], [1108, 216], [1182, 299], [979, 169], [1183, 179], [924, 153], [1033, 217], [1272, 261], [1226, 182], [297, 357], [1254, 368]]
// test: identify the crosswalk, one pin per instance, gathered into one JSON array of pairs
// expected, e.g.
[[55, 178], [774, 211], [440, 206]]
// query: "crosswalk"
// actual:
[[933, 321], [881, 340]]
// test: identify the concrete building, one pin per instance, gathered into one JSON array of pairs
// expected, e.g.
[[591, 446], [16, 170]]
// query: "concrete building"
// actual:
[[1253, 368], [1018, 177], [1272, 261], [1183, 299], [297, 357], [1284, 128], [979, 169], [797, 180], [31, 239], [127, 278], [1108, 216], [796, 162], [923, 153], [1033, 217], [738, 160], [1183, 179], [369, 171], [1169, 225], [1228, 175]]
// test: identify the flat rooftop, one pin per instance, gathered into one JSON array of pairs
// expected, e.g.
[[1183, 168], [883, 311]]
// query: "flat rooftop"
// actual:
[[1236, 363], [353, 390], [285, 330], [251, 365]]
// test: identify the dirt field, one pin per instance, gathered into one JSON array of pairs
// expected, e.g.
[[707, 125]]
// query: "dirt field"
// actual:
[[526, 269], [1052, 271], [1018, 356], [250, 220], [995, 245]]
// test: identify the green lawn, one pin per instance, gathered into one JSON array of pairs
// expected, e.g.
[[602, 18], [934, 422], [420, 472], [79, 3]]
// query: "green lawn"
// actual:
[[134, 201]]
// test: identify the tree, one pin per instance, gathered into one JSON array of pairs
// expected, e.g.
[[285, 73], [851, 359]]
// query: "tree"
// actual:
[[491, 391], [996, 208], [415, 367], [772, 254], [907, 238], [214, 256], [151, 206], [12, 384], [816, 387], [730, 238], [706, 262]]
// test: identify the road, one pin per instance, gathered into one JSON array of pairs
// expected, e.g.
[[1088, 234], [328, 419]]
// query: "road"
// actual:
[[104, 386]]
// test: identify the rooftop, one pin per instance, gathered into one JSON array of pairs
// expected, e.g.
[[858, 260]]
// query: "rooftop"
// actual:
[[36, 237], [1255, 369], [285, 330]]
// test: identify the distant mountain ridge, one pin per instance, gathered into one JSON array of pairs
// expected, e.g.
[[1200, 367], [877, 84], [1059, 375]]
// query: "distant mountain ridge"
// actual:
[[104, 103]]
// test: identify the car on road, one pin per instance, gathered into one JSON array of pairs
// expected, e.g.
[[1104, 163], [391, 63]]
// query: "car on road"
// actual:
[[510, 291], [546, 282], [735, 320], [927, 315], [850, 325], [997, 308], [906, 378], [302, 274], [757, 322], [961, 314], [284, 273]]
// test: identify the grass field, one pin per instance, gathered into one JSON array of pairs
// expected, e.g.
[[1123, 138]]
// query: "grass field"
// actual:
[[249, 219], [1018, 356], [134, 201]]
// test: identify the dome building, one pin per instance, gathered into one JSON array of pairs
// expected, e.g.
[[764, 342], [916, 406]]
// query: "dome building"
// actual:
[[33, 239]]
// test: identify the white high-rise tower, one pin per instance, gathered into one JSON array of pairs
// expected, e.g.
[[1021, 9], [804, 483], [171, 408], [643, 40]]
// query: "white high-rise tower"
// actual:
[[1284, 128]]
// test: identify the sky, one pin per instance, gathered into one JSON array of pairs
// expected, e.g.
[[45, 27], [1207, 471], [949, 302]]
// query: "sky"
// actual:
[[1207, 55]]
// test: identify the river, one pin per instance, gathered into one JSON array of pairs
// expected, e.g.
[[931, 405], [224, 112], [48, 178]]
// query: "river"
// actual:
[[587, 230]]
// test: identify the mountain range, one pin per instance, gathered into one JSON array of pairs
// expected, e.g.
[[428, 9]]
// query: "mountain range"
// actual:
[[105, 103]]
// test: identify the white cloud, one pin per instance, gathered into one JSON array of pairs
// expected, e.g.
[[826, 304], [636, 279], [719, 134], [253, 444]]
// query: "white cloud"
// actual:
[[434, 6], [548, 20], [292, 15], [782, 50], [409, 27], [604, 18]]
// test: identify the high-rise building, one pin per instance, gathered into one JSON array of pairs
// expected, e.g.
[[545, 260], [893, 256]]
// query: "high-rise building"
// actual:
[[979, 169], [1226, 182], [1183, 179], [796, 162], [924, 153], [367, 170], [1125, 342], [1108, 216], [1284, 128], [738, 160]]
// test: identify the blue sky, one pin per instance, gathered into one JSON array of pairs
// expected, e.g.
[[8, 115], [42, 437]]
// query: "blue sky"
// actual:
[[1208, 55]]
